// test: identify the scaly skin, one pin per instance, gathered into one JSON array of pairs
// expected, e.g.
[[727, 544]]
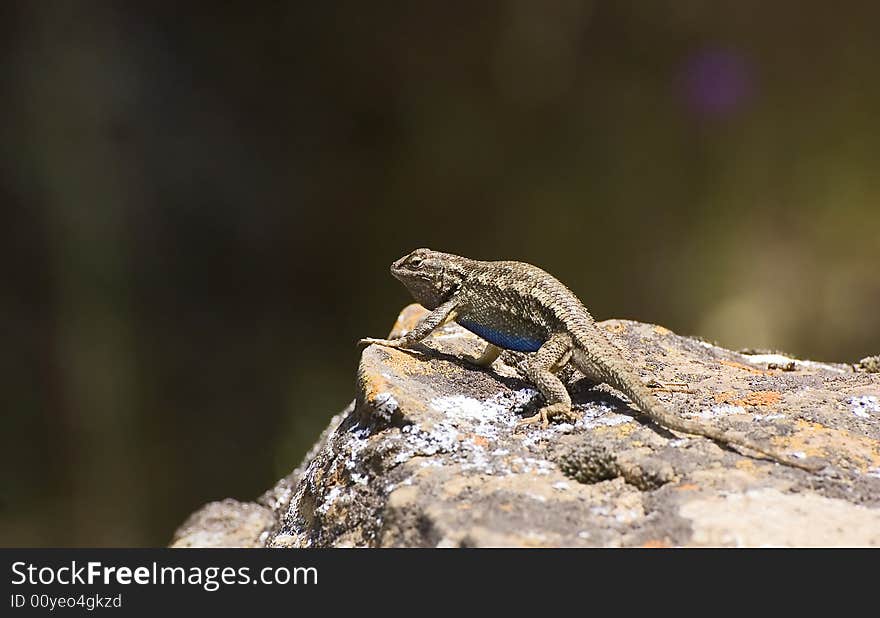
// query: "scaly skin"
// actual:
[[517, 306]]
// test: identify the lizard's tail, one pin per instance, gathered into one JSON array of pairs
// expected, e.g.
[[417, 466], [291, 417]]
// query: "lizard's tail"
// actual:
[[593, 361]]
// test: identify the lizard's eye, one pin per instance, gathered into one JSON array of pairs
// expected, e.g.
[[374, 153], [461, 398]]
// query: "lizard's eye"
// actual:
[[415, 260]]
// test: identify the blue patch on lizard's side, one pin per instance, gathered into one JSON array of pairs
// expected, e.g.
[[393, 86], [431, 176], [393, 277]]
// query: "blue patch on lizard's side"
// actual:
[[507, 341]]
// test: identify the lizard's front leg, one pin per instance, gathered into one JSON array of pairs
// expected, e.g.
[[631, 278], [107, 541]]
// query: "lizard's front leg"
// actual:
[[440, 316], [541, 370]]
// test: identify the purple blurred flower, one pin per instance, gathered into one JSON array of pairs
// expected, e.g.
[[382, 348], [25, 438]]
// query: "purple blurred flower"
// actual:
[[717, 83]]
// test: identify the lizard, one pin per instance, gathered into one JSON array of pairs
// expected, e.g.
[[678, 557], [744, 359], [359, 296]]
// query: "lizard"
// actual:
[[520, 307]]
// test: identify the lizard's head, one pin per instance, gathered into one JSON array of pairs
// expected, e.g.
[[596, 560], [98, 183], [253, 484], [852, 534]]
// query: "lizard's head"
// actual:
[[430, 276]]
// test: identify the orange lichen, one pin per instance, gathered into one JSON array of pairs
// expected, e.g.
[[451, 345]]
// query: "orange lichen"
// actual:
[[656, 544], [477, 440], [754, 398], [407, 319], [816, 440], [622, 430], [737, 365], [371, 384], [747, 465]]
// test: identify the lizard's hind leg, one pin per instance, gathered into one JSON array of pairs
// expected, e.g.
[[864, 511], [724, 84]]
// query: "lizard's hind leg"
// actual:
[[541, 371]]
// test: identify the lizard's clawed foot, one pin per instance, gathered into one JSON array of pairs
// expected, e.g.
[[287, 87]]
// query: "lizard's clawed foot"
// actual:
[[388, 343], [669, 387], [556, 410]]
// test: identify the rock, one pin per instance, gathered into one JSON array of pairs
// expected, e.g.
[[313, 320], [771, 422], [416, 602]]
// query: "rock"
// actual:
[[227, 523], [429, 455], [870, 364]]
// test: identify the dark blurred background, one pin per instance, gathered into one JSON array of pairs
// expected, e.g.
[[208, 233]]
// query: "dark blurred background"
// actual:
[[198, 207]]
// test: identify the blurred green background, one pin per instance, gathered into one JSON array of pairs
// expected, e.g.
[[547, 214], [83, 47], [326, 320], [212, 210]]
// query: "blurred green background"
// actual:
[[199, 204]]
